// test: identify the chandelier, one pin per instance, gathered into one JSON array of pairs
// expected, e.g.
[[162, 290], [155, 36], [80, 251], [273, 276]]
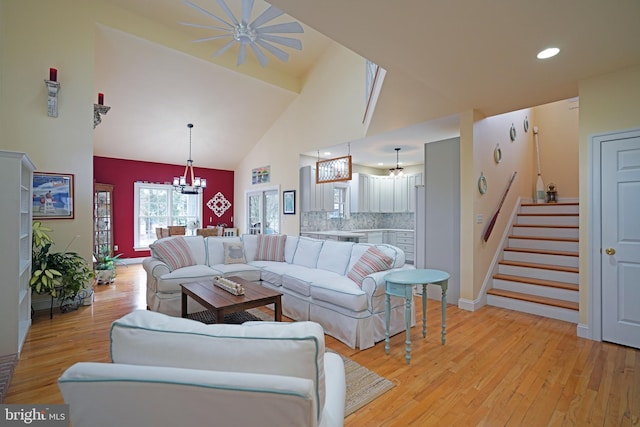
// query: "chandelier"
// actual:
[[197, 184], [397, 171]]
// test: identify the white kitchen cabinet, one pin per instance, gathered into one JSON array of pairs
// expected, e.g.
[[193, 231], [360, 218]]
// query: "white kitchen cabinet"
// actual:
[[383, 194], [405, 240], [16, 178], [389, 237], [314, 197]]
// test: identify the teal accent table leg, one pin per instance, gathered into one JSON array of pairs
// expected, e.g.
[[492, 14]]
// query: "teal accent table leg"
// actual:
[[444, 285], [424, 310], [407, 318], [387, 319]]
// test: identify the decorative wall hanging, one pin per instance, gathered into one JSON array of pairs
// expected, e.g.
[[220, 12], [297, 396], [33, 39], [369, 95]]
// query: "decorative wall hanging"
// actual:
[[497, 154], [512, 132], [219, 204], [52, 195], [333, 170], [482, 184], [526, 124], [261, 175], [289, 202], [53, 86], [99, 110]]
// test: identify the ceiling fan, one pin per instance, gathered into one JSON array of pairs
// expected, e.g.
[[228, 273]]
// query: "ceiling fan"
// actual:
[[253, 34]]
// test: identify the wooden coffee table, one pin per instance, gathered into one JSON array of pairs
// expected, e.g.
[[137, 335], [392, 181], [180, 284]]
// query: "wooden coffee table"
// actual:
[[221, 302]]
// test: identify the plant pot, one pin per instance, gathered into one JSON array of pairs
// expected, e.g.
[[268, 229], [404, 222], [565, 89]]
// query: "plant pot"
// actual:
[[105, 276]]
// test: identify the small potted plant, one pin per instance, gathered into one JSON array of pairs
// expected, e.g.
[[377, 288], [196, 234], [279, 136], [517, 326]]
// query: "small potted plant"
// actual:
[[105, 266]]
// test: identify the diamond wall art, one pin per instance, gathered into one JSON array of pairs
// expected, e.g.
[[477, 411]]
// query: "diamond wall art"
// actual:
[[219, 204]]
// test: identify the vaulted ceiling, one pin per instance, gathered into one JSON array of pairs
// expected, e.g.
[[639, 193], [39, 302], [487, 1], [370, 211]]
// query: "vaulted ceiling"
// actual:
[[441, 58]]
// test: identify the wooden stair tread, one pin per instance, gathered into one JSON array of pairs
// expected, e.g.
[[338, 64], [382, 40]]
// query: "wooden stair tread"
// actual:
[[551, 204], [548, 214], [555, 239], [539, 282], [545, 226], [542, 251], [536, 299], [541, 266]]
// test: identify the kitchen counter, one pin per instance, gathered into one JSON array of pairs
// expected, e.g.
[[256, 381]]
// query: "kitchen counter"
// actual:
[[349, 236]]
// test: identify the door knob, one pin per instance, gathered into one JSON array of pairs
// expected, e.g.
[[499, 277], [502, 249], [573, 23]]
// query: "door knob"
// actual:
[[610, 251]]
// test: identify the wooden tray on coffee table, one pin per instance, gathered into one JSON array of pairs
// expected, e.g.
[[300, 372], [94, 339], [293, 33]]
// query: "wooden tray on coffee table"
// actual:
[[222, 302]]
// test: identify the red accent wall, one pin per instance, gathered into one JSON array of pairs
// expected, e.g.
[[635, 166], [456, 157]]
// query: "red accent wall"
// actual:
[[122, 174]]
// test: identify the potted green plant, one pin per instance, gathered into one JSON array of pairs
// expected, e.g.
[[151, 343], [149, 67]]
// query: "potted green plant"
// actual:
[[63, 275], [105, 266]]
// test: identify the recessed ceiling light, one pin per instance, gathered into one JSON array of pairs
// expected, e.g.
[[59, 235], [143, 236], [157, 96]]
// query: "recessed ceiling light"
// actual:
[[548, 53], [380, 163], [327, 153]]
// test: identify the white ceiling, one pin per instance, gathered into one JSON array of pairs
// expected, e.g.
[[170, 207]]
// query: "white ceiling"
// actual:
[[441, 58]]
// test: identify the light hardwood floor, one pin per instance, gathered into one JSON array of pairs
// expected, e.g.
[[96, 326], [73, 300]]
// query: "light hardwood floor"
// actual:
[[498, 367]]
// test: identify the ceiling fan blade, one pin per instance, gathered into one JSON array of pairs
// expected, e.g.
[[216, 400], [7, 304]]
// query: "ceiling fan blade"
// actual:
[[285, 41], [266, 16], [206, 12], [276, 51], [224, 48], [287, 27], [208, 27], [262, 58], [206, 39], [226, 9], [242, 53], [247, 5]]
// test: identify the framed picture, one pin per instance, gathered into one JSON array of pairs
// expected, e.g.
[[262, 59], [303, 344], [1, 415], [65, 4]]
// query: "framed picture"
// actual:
[[52, 195], [289, 202], [261, 175]]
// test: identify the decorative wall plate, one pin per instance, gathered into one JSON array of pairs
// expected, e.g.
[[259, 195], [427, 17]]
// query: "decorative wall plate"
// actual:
[[482, 184], [497, 154], [526, 124], [512, 132]]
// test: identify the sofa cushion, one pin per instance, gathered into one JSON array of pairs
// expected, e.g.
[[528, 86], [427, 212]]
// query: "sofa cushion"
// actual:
[[307, 252], [272, 272], [372, 261], [173, 251], [244, 271], [334, 256], [234, 253], [215, 248], [250, 246], [284, 348], [271, 247], [396, 254], [299, 279], [342, 292], [170, 282], [290, 247]]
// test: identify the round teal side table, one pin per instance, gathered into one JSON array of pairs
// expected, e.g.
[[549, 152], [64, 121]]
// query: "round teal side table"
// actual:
[[400, 284]]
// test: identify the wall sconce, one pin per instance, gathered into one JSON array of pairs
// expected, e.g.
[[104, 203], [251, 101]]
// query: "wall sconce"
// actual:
[[99, 109], [53, 86]]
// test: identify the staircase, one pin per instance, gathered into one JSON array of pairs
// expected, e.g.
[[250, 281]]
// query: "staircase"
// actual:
[[538, 273]]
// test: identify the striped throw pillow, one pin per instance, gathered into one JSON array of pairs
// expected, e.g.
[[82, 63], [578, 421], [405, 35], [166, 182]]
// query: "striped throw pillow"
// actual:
[[271, 247], [373, 260], [173, 251]]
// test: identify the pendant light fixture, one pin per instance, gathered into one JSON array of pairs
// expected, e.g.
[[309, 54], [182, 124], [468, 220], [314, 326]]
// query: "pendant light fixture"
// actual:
[[397, 171], [196, 184]]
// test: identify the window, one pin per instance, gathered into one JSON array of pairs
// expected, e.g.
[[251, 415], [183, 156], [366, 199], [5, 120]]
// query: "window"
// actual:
[[158, 206], [340, 208], [263, 211]]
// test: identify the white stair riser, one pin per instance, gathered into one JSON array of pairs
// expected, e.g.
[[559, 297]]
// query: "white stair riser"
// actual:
[[550, 208], [540, 291], [551, 245], [561, 260], [572, 233], [539, 273], [547, 220], [534, 308]]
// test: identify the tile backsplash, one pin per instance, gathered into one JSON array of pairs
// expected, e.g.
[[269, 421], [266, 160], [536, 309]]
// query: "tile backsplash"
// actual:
[[320, 221]]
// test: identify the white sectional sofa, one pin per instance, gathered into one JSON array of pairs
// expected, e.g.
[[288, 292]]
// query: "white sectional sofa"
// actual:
[[316, 278], [169, 371]]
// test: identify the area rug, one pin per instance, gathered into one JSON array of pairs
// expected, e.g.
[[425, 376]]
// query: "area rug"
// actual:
[[235, 318], [7, 365], [363, 385]]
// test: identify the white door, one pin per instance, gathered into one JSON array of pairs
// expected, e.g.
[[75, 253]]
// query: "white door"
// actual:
[[620, 254]]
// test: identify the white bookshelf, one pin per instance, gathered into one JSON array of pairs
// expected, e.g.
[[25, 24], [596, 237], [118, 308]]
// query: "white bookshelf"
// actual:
[[16, 177]]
